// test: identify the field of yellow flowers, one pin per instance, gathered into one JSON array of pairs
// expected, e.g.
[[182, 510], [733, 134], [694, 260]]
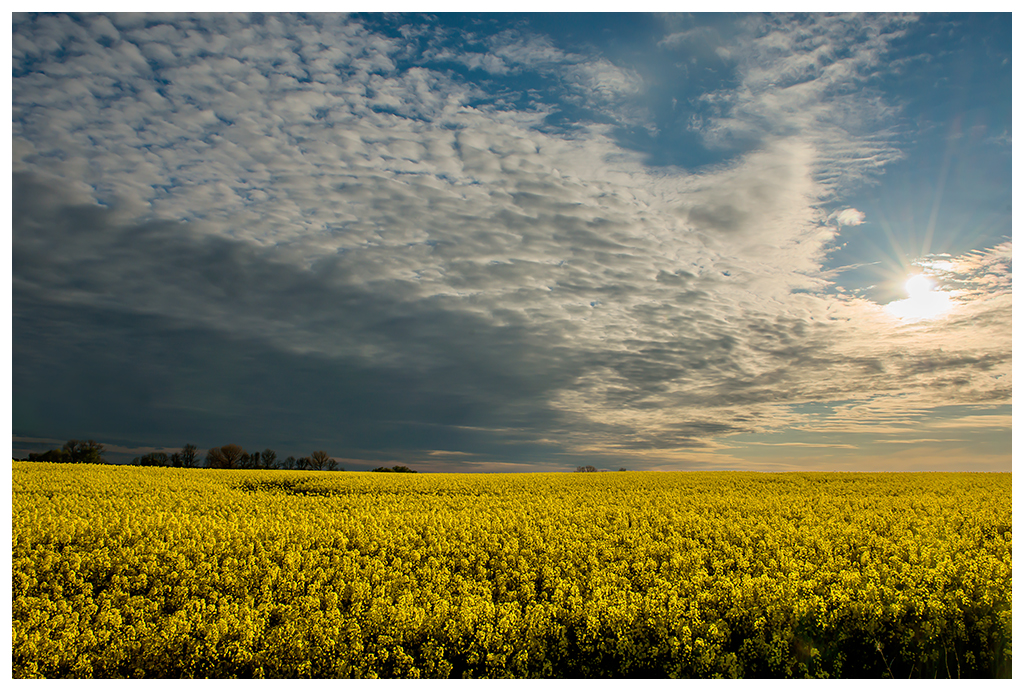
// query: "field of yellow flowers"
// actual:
[[164, 572]]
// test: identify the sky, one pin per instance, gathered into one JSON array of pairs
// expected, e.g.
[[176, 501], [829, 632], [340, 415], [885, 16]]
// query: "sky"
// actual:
[[516, 242]]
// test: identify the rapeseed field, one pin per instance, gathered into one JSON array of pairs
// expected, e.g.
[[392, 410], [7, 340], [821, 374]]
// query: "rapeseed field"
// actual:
[[164, 572]]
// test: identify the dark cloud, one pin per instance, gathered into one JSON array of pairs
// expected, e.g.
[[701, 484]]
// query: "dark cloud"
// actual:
[[110, 357], [121, 327]]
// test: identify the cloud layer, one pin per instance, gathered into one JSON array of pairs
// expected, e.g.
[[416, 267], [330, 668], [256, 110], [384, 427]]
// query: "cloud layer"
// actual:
[[312, 229]]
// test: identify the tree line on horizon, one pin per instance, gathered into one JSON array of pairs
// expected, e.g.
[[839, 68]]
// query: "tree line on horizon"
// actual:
[[227, 457]]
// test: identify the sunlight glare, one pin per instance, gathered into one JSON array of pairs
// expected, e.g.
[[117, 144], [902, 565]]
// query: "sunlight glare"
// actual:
[[924, 302]]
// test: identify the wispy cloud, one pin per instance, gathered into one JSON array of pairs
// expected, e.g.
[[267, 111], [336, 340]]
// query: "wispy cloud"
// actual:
[[804, 79], [917, 441], [1003, 422], [804, 445]]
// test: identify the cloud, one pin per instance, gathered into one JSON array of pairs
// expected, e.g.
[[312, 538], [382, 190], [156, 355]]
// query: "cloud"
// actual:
[[804, 445], [849, 217], [1003, 422], [309, 227], [699, 35], [36, 440], [917, 441], [804, 78], [488, 62]]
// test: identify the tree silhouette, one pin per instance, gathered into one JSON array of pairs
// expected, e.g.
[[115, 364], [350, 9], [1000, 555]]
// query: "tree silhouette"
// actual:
[[73, 451], [83, 451], [268, 459], [189, 456], [51, 456], [156, 458], [226, 457], [318, 459]]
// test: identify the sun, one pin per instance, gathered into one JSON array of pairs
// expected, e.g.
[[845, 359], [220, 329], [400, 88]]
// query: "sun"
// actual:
[[924, 302]]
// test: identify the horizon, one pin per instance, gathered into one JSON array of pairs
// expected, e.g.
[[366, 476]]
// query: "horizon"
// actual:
[[509, 243], [342, 469]]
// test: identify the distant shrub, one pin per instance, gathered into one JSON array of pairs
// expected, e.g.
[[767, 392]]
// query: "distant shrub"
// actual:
[[394, 469]]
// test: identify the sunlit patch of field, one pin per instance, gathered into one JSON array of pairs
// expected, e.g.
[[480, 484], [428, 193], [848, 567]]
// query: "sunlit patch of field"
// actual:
[[160, 572]]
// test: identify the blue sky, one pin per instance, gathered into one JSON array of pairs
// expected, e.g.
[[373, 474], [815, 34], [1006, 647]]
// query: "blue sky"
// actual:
[[516, 242]]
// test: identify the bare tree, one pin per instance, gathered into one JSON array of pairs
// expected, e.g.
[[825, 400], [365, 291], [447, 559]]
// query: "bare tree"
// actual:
[[226, 457], [189, 456], [586, 469], [268, 459], [318, 459]]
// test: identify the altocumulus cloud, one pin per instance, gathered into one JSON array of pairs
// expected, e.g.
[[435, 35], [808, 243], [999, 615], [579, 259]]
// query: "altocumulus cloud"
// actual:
[[311, 231]]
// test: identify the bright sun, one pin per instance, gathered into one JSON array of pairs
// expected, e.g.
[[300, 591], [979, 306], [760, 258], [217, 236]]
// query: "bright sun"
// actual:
[[924, 302]]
